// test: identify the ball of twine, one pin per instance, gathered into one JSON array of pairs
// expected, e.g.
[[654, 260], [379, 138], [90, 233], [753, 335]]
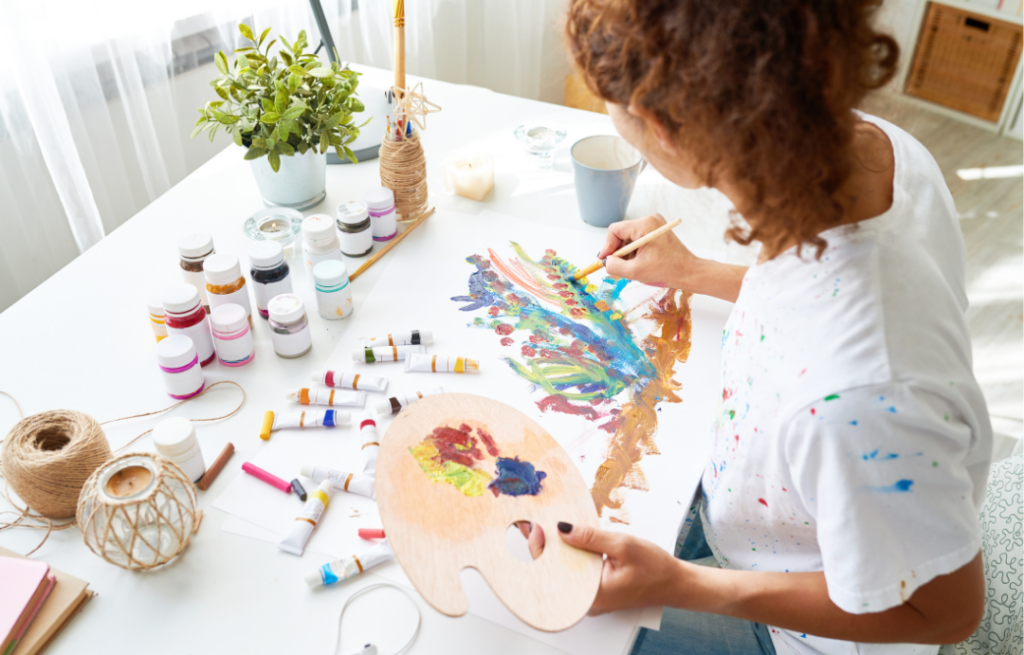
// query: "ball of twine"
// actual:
[[403, 169], [47, 458]]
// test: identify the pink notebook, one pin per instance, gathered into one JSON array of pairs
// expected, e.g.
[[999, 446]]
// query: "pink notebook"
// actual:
[[27, 584]]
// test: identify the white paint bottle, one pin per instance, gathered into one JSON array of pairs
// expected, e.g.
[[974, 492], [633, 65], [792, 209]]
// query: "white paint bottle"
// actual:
[[225, 284], [319, 243], [380, 203], [184, 315], [175, 439], [333, 292], [289, 327], [194, 249], [270, 273], [179, 367], [354, 229], [231, 335]]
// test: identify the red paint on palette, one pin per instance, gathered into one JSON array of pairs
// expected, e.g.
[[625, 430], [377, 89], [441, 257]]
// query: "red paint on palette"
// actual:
[[507, 341]]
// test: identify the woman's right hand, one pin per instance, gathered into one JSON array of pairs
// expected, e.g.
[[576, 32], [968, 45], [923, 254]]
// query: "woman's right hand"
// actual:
[[664, 262]]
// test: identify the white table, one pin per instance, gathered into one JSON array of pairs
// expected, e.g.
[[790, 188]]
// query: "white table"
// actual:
[[82, 341]]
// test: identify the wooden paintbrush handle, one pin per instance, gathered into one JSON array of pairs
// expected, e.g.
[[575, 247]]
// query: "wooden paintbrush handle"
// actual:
[[630, 247], [383, 251], [398, 8]]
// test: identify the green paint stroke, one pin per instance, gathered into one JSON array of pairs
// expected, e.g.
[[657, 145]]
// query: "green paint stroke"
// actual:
[[469, 481], [832, 396]]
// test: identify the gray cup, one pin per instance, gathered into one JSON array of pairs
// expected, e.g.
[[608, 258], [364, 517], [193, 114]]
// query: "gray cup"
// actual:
[[606, 168]]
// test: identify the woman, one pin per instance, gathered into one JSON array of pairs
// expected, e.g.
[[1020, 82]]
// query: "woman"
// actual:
[[851, 449]]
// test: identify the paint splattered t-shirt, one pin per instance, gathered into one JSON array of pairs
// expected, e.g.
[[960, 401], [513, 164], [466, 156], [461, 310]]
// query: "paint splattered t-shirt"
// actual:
[[852, 436]]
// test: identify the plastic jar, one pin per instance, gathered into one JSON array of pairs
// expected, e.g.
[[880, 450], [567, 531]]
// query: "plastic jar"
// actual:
[[155, 305], [333, 292], [355, 233], [289, 327], [225, 284], [175, 439], [319, 242], [270, 273], [179, 365], [184, 315], [194, 249], [231, 335], [381, 205]]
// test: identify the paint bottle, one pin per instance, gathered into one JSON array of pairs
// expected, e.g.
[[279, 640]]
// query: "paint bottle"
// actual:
[[194, 249], [225, 284], [179, 366], [333, 292], [355, 232], [381, 205], [319, 242], [175, 439], [184, 315], [386, 353], [231, 335], [270, 273], [353, 483], [289, 327], [350, 380], [327, 418], [295, 541], [421, 363], [327, 397], [350, 567], [155, 305]]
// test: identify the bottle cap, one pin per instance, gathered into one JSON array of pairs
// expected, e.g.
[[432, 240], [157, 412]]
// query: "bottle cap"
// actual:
[[330, 274], [352, 213], [326, 487], [314, 579], [380, 198], [181, 298], [286, 308], [175, 351], [317, 228], [195, 246], [174, 436], [306, 471], [229, 318], [266, 254], [381, 408], [221, 269], [155, 303]]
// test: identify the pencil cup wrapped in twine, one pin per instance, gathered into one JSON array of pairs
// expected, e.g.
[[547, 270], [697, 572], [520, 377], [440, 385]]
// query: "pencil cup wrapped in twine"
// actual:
[[403, 169]]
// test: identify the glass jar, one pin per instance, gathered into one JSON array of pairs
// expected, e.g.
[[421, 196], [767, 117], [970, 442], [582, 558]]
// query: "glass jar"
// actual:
[[289, 327], [184, 315], [225, 284], [194, 249], [155, 305], [319, 242], [270, 274], [354, 231], [333, 292], [231, 335]]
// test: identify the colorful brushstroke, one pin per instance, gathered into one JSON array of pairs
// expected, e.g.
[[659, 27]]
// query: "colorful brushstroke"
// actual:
[[581, 352]]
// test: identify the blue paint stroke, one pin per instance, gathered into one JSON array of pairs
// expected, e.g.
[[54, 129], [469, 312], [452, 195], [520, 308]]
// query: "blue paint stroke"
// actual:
[[515, 478], [897, 487], [874, 456]]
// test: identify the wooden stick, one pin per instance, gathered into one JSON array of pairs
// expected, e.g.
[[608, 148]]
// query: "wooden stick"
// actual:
[[398, 10], [212, 472], [628, 248], [383, 251]]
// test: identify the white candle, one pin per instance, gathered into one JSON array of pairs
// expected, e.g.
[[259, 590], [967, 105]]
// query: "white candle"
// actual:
[[471, 176]]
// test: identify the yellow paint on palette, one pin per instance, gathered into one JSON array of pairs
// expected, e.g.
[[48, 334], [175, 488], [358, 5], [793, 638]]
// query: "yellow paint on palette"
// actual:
[[470, 482]]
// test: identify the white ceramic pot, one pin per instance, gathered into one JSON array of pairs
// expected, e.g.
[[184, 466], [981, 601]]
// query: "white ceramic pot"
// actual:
[[300, 183]]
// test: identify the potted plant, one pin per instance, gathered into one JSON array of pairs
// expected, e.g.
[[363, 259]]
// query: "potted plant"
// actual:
[[286, 110]]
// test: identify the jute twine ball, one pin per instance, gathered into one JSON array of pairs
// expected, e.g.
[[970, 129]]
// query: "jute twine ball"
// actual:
[[403, 169], [47, 458]]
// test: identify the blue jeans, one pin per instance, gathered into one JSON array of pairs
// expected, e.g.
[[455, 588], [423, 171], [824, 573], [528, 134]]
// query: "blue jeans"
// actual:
[[685, 633]]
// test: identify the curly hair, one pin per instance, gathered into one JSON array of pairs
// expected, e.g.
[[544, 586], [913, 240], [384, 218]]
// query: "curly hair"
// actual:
[[759, 90]]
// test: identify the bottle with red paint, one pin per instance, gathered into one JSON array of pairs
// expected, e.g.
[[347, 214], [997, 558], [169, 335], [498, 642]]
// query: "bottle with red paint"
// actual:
[[184, 314]]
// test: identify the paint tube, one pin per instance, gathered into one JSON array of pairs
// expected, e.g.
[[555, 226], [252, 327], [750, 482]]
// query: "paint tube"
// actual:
[[295, 541], [328, 397], [350, 567], [385, 353], [371, 444], [396, 404], [353, 483], [422, 363], [410, 338], [350, 380], [329, 418]]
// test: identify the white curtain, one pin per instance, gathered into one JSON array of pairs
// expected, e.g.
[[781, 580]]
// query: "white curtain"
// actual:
[[98, 97]]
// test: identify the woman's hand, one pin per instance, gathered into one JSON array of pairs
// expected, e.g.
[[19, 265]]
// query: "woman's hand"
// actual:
[[664, 262], [636, 572]]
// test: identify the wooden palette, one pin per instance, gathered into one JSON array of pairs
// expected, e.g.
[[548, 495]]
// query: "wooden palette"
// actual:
[[436, 529]]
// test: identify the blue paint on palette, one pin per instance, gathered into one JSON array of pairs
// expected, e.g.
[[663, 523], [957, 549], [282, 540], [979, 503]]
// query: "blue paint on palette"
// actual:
[[515, 478]]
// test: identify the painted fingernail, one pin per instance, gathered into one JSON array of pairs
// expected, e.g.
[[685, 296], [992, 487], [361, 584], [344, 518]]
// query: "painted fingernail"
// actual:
[[564, 528]]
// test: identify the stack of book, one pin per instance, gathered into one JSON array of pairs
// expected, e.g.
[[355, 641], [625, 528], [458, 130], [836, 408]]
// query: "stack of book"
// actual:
[[36, 603]]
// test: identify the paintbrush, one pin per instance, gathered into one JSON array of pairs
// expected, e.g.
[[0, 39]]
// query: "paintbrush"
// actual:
[[383, 251], [628, 248]]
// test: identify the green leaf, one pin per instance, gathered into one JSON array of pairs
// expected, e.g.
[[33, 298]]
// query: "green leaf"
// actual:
[[336, 119], [198, 129], [268, 104], [281, 100], [285, 148], [270, 117], [325, 141], [237, 137], [221, 92], [285, 42], [354, 104], [221, 60], [321, 71], [303, 147], [351, 155], [245, 49], [246, 32], [275, 160], [263, 36], [286, 57], [255, 153], [259, 142], [294, 82], [226, 119], [298, 70], [293, 112]]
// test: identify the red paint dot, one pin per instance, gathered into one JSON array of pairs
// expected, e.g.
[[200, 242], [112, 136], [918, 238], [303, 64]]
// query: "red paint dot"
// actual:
[[813, 412], [762, 501], [506, 341], [737, 438], [504, 329], [528, 351]]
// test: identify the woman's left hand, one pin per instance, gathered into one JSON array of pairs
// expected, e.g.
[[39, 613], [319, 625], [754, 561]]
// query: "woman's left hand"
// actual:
[[636, 572]]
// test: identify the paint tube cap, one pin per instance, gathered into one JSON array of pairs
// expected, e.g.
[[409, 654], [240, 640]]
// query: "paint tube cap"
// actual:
[[266, 254], [228, 318], [222, 269], [307, 471], [195, 246], [314, 579], [318, 228], [352, 213], [359, 355], [380, 409], [285, 308], [174, 436], [330, 273], [181, 298], [175, 351], [380, 198], [326, 487], [155, 303]]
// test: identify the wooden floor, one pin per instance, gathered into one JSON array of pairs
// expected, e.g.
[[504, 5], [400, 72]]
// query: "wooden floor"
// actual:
[[992, 220]]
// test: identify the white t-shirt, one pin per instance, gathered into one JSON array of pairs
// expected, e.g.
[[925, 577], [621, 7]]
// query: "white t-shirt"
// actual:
[[853, 438]]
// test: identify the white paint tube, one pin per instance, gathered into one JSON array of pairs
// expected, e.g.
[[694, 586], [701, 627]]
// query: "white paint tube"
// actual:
[[385, 353], [422, 363], [371, 444], [328, 397], [408, 338], [350, 567], [295, 541], [328, 418], [353, 483], [350, 380], [396, 404]]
